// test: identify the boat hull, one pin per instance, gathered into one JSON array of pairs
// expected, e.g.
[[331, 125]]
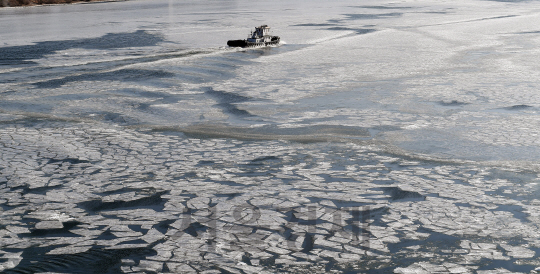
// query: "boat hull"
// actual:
[[246, 44]]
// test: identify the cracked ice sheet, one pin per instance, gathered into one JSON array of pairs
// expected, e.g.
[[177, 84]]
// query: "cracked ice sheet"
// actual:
[[162, 202], [253, 206]]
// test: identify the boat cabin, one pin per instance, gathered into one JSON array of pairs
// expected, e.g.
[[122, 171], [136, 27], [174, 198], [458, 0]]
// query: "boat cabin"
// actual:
[[261, 34]]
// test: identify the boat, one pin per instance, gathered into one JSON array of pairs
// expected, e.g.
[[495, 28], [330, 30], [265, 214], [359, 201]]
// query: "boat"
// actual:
[[259, 38]]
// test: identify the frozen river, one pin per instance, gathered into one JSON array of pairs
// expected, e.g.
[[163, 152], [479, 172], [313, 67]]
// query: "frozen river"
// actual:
[[379, 137]]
